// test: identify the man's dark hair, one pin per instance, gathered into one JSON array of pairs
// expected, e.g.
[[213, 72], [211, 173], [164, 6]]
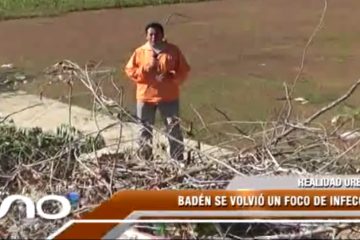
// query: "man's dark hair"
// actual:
[[156, 26]]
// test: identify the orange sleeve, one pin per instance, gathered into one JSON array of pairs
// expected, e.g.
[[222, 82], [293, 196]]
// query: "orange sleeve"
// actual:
[[135, 71], [182, 70]]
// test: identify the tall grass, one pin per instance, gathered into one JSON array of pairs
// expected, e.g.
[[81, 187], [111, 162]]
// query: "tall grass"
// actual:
[[35, 8]]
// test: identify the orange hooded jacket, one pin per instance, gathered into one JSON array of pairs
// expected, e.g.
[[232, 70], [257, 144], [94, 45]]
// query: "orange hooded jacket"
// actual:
[[147, 88]]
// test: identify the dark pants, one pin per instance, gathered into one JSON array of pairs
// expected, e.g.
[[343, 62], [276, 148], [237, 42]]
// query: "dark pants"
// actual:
[[170, 113]]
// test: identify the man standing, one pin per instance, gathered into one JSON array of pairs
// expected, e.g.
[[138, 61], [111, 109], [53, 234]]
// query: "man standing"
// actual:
[[158, 68]]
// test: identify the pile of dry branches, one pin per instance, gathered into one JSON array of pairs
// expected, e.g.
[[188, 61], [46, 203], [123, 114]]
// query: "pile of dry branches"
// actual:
[[284, 146]]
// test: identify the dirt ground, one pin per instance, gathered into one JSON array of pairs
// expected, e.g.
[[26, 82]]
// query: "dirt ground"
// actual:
[[241, 51]]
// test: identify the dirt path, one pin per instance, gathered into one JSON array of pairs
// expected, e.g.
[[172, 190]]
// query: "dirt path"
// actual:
[[29, 111]]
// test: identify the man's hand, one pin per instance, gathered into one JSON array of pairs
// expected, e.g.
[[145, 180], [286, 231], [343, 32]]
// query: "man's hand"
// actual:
[[167, 76], [153, 62]]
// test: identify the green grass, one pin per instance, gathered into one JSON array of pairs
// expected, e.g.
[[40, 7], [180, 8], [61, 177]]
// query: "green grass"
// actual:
[[11, 9], [315, 91]]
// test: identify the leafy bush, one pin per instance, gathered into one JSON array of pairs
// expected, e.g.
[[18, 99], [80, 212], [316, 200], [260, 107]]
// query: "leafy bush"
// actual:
[[27, 146]]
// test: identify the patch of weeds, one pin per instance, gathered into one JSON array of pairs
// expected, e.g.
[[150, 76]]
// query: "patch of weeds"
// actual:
[[12, 9]]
